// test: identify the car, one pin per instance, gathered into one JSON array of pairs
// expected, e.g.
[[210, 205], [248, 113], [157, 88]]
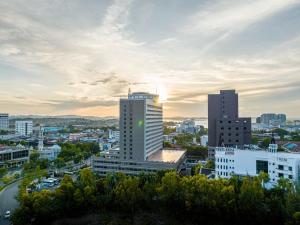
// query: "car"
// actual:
[[7, 214]]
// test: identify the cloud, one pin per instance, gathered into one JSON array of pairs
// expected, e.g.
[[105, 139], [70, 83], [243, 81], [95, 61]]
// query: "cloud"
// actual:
[[80, 104], [84, 54]]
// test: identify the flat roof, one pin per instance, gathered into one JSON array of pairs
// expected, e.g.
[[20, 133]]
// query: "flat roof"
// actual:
[[166, 155]]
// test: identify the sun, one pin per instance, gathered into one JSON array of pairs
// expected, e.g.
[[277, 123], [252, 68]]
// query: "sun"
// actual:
[[162, 92]]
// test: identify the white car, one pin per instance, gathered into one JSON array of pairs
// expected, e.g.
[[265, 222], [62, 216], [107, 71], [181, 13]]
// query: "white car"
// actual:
[[7, 214]]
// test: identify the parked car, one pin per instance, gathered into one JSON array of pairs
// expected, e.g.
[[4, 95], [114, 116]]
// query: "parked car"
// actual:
[[7, 214]]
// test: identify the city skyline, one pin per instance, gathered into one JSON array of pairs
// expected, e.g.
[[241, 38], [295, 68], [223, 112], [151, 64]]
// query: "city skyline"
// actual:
[[79, 58]]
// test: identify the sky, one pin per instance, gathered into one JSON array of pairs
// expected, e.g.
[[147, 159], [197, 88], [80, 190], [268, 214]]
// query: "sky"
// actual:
[[78, 57]]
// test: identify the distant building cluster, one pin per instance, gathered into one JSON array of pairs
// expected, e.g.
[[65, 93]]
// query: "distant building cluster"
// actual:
[[272, 119], [189, 127]]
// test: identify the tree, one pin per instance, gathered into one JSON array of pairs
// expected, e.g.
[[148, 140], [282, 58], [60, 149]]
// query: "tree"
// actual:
[[3, 171], [128, 195], [209, 164], [266, 142], [254, 140], [59, 162]]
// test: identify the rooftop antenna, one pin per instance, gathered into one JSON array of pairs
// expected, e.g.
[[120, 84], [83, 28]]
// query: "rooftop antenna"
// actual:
[[129, 91], [156, 90]]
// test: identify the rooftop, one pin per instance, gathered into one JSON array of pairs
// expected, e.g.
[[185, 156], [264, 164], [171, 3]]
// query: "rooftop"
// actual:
[[166, 155]]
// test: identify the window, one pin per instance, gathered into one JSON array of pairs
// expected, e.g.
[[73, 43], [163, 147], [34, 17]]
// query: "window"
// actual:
[[261, 166], [290, 168], [290, 176], [280, 167], [280, 174]]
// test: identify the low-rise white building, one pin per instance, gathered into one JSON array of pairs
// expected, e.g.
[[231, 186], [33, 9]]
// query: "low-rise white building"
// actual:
[[252, 160], [50, 153]]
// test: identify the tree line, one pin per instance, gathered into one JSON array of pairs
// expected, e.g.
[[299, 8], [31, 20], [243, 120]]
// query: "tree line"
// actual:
[[172, 198]]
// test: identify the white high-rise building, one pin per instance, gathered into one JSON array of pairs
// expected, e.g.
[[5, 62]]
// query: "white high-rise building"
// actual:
[[141, 126], [4, 121], [24, 127], [252, 160]]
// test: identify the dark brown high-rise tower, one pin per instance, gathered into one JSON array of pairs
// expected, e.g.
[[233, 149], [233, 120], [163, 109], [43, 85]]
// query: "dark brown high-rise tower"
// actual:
[[225, 127]]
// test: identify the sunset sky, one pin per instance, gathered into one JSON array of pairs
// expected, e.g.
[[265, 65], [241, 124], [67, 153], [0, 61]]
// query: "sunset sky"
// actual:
[[80, 56]]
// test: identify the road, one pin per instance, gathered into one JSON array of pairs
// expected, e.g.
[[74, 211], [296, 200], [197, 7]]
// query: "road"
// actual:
[[8, 201]]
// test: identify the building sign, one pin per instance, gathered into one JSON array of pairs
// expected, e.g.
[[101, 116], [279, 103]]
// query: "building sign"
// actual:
[[229, 152], [282, 159]]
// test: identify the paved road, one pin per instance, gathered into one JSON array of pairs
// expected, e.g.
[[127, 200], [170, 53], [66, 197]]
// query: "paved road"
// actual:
[[8, 201]]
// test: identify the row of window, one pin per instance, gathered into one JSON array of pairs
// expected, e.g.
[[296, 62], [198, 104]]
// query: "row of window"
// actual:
[[237, 121], [225, 167], [122, 168], [224, 160], [229, 128]]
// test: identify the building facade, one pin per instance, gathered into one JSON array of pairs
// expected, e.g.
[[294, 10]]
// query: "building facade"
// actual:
[[4, 121], [141, 126], [251, 160], [24, 127], [13, 156], [225, 127]]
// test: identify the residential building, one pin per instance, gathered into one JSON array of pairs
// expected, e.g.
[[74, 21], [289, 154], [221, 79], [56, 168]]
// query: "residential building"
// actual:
[[24, 127], [251, 160], [225, 127], [141, 126], [13, 156], [4, 121]]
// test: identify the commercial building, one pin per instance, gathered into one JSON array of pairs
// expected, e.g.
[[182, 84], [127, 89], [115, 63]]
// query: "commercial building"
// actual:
[[225, 127], [141, 126], [13, 156], [24, 127], [141, 140], [4, 121], [251, 160]]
